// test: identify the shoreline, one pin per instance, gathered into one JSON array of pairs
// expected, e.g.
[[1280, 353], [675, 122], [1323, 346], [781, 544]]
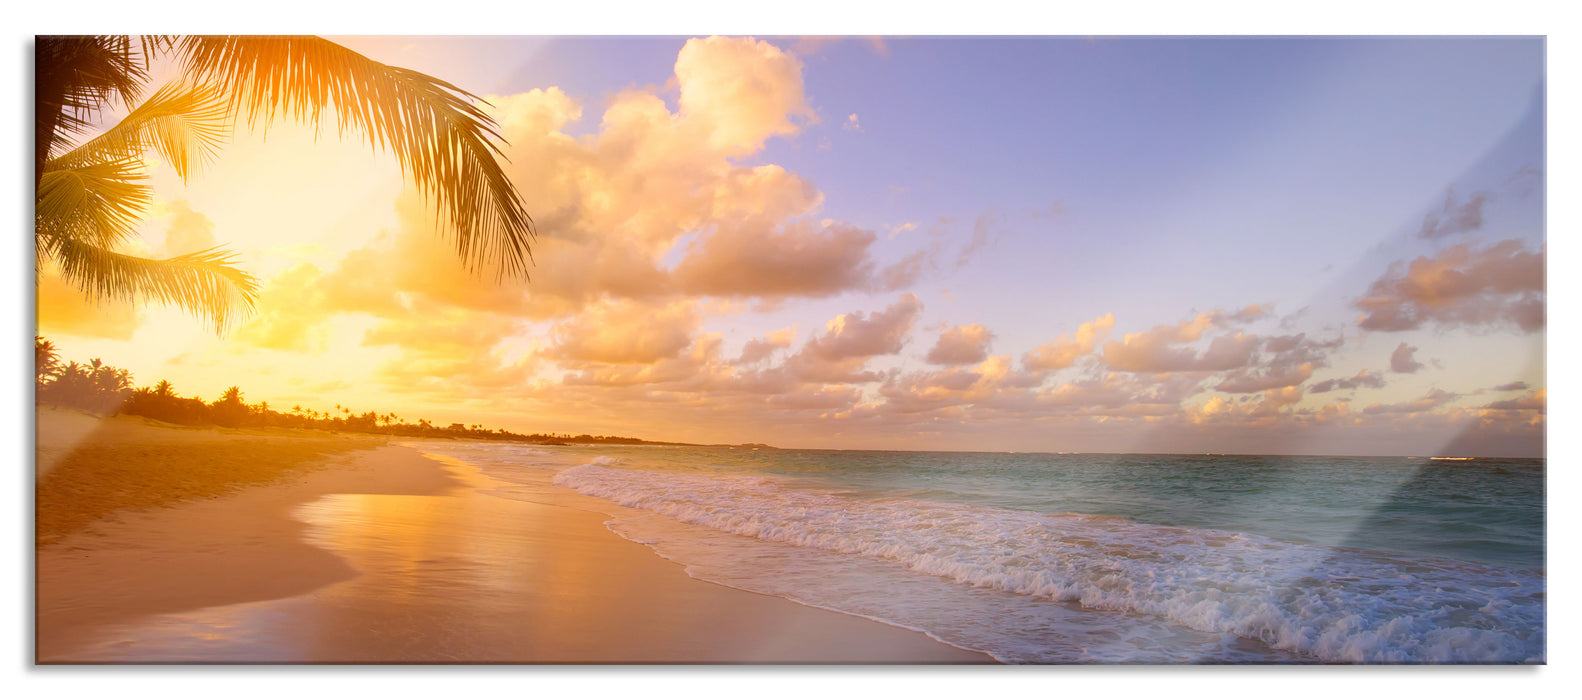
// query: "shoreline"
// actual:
[[384, 555]]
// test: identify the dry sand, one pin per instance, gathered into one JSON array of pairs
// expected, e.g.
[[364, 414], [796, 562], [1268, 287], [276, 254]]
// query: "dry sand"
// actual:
[[375, 553]]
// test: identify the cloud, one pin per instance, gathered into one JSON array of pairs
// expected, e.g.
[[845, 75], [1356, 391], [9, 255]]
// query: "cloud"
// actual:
[[449, 352], [1274, 378], [1512, 386], [1064, 351], [1163, 348], [1402, 360], [983, 235], [1501, 285], [1454, 216], [1280, 361], [740, 92], [189, 231], [1430, 401], [812, 44], [290, 312], [1248, 314], [866, 335], [692, 370], [991, 385], [803, 259], [442, 330], [610, 206], [907, 271], [537, 111], [961, 345], [848, 341], [816, 397], [1110, 391], [1364, 378], [1535, 401], [759, 349], [851, 123], [624, 333]]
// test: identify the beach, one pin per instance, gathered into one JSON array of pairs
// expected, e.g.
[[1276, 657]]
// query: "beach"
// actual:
[[350, 549]]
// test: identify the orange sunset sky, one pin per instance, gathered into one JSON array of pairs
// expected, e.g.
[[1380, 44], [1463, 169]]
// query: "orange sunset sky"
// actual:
[[1276, 246]]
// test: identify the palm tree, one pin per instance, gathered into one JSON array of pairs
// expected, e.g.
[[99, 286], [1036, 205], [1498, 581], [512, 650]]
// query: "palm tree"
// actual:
[[46, 361], [90, 197], [232, 396], [163, 388]]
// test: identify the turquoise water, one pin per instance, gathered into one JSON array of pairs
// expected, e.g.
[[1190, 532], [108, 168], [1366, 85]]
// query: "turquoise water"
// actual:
[[1044, 558]]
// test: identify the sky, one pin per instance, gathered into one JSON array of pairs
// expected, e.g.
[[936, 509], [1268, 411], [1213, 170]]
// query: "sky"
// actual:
[[1247, 245]]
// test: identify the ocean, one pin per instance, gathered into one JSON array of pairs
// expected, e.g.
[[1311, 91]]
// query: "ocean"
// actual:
[[1096, 558]]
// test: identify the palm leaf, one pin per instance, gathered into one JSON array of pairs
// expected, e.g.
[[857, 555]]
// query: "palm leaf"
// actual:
[[99, 203], [73, 78], [206, 283], [185, 123], [442, 139]]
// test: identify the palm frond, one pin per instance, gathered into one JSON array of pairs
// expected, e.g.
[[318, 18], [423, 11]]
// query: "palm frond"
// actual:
[[185, 123], [206, 283], [74, 77], [441, 138], [99, 203]]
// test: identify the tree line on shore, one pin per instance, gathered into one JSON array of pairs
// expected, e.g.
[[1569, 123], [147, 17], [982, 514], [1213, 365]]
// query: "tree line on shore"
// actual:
[[100, 388]]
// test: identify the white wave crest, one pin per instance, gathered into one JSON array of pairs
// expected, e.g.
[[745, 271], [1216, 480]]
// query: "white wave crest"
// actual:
[[1333, 605]]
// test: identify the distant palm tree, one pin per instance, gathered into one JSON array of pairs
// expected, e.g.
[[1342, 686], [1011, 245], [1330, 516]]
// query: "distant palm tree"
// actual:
[[163, 388], [91, 196], [46, 361], [232, 396]]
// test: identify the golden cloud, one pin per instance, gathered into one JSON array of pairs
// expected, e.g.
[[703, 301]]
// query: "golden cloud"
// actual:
[[1067, 349]]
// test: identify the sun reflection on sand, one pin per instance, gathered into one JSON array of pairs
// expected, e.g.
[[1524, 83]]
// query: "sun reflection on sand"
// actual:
[[474, 577], [449, 565]]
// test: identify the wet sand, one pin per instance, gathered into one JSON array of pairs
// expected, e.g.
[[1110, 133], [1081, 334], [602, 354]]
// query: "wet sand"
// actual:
[[383, 555]]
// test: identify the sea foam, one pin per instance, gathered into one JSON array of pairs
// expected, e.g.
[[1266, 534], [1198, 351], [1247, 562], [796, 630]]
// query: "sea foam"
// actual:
[[1326, 604]]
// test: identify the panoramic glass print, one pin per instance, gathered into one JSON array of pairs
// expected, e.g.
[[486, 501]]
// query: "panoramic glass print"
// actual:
[[1028, 350]]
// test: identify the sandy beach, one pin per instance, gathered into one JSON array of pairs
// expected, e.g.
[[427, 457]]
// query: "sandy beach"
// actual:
[[345, 549]]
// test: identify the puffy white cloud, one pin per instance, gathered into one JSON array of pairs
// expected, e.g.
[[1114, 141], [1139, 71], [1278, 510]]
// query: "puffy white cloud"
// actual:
[[740, 92]]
